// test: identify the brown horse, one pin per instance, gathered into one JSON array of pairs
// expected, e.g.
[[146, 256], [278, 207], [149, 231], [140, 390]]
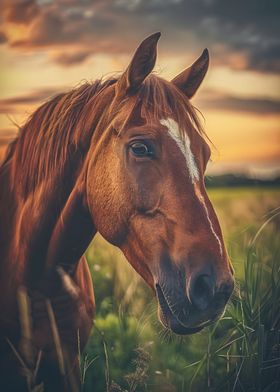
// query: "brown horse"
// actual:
[[125, 157]]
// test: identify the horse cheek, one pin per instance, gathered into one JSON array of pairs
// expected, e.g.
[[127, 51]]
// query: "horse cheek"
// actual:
[[108, 200]]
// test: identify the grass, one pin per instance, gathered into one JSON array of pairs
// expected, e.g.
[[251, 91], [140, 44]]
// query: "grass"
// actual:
[[128, 350], [239, 353]]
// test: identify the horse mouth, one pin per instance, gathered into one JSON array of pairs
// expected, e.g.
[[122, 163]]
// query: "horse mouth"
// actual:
[[171, 321]]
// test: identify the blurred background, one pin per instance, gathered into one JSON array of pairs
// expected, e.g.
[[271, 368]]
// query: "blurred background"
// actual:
[[50, 46]]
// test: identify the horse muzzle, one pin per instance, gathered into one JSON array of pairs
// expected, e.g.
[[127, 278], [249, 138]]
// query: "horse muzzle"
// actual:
[[187, 314]]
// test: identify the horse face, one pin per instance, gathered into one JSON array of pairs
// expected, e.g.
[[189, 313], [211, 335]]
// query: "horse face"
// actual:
[[173, 238], [148, 198]]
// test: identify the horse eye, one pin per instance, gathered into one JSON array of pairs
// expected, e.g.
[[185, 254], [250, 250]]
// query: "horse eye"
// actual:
[[140, 149]]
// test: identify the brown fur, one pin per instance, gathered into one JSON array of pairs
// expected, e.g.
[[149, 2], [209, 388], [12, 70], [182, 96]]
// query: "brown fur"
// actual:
[[70, 173], [65, 124]]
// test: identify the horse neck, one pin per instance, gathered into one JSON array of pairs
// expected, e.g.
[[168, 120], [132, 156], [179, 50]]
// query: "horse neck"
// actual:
[[49, 226]]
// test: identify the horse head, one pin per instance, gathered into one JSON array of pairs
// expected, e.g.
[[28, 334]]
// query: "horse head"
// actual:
[[146, 194]]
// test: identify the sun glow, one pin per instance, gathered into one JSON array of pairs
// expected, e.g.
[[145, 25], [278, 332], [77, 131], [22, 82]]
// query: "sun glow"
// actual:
[[16, 32]]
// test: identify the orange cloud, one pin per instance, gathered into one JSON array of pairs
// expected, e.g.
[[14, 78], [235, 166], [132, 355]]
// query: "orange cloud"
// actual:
[[243, 36], [217, 100], [20, 11]]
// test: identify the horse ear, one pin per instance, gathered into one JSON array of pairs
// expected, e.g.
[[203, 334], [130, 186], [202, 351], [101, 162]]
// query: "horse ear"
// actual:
[[190, 79], [141, 64]]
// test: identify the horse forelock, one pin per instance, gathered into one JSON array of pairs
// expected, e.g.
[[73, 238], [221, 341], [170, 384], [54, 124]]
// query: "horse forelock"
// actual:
[[159, 99]]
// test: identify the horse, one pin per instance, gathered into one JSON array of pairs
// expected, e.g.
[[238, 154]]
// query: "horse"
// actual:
[[124, 157]]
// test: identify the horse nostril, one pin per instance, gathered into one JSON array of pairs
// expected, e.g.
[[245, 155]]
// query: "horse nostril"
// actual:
[[202, 291]]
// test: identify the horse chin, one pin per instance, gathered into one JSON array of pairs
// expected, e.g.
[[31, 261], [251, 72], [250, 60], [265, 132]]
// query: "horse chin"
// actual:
[[174, 325], [170, 321]]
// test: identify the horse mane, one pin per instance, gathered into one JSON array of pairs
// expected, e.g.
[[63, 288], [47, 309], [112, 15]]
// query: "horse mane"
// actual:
[[64, 125], [50, 133]]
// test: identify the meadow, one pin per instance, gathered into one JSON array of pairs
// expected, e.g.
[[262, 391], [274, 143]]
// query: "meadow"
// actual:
[[130, 351]]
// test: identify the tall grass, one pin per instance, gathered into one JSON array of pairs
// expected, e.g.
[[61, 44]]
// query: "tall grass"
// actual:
[[251, 327], [129, 351], [241, 352]]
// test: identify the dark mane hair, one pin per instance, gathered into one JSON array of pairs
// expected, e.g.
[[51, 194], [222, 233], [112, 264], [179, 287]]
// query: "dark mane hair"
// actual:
[[51, 131], [65, 124]]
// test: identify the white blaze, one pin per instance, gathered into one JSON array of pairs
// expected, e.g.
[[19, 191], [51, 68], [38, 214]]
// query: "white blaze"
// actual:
[[202, 200], [184, 145]]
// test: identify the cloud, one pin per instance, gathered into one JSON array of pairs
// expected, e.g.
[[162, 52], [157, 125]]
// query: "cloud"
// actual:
[[48, 29], [266, 59], [211, 99], [13, 105], [70, 58], [3, 38], [19, 11], [239, 34], [72, 35]]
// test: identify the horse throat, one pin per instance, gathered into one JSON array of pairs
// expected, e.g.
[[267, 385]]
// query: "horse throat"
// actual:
[[72, 233]]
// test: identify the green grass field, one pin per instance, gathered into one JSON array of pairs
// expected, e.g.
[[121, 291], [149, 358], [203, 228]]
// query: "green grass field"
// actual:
[[129, 350]]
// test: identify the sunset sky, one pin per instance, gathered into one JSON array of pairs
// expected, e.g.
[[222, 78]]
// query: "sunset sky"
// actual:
[[49, 46]]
